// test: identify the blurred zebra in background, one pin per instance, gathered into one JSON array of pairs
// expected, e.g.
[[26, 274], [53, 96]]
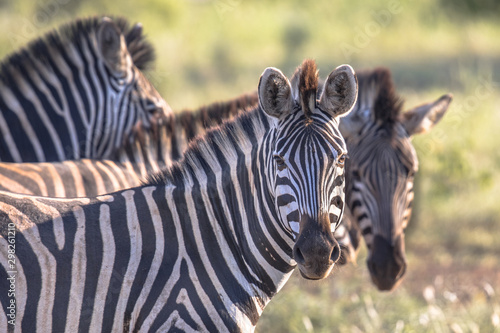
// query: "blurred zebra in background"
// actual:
[[380, 171], [150, 151], [202, 246], [77, 93]]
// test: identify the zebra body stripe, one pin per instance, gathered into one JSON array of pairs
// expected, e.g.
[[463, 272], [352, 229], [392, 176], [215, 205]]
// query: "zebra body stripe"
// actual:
[[155, 257]]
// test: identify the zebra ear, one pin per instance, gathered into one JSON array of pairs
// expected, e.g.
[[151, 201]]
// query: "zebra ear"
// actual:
[[340, 91], [423, 118], [275, 93], [112, 46], [136, 31]]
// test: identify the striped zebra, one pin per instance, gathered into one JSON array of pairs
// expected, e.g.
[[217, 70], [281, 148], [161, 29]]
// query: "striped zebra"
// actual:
[[77, 93], [380, 171], [202, 246], [149, 151], [164, 143]]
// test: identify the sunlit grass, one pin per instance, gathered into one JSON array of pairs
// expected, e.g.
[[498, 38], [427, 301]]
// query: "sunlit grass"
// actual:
[[434, 298]]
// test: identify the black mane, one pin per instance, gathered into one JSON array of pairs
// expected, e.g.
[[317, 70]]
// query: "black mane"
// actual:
[[226, 133], [216, 113], [189, 121], [307, 76], [386, 103]]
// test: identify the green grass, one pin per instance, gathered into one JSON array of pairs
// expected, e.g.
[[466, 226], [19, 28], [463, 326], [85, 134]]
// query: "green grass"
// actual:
[[214, 50], [209, 50], [434, 297]]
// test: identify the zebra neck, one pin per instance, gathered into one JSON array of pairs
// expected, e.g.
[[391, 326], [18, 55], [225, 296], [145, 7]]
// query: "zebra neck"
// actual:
[[160, 146], [229, 218]]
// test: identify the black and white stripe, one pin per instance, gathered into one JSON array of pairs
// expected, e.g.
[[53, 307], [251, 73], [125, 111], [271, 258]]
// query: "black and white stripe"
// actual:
[[76, 93], [199, 247], [149, 151], [381, 169]]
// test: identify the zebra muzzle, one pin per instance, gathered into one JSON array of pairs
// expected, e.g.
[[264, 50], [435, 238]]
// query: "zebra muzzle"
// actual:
[[316, 251], [387, 263]]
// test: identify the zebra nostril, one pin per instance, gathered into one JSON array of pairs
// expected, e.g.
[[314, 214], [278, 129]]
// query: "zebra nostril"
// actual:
[[372, 267], [335, 255], [337, 202], [298, 256], [333, 219]]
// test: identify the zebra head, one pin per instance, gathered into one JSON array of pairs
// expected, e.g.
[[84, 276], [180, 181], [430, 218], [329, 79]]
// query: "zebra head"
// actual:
[[133, 99], [381, 169], [308, 156]]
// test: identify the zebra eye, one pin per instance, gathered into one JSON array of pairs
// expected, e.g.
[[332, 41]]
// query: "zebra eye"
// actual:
[[280, 162], [410, 173], [342, 159], [153, 108]]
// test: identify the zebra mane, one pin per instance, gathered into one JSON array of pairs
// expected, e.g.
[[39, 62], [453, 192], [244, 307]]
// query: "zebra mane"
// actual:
[[222, 138], [378, 85], [190, 121], [215, 113], [307, 76], [76, 32]]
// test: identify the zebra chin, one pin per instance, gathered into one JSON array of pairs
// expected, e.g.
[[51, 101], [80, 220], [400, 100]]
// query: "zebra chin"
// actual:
[[387, 263], [316, 251]]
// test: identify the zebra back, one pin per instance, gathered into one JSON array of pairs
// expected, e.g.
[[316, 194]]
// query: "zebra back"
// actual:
[[149, 151], [77, 92]]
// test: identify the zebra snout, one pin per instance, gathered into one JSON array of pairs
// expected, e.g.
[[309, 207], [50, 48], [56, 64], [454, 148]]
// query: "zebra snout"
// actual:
[[387, 263], [316, 251]]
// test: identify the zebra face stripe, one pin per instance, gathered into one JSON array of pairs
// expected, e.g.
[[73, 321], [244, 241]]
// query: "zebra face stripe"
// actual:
[[309, 172], [143, 102], [382, 172], [306, 147], [380, 198], [377, 121]]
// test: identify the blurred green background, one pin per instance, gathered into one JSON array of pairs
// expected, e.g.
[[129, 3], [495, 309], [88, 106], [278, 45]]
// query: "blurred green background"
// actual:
[[215, 50]]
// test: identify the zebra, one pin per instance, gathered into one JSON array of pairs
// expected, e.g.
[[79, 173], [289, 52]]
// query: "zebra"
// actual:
[[148, 151], [164, 143], [77, 93], [202, 246], [381, 169]]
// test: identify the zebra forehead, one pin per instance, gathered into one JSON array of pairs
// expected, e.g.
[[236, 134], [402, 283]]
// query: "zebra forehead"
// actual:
[[314, 140], [381, 148]]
